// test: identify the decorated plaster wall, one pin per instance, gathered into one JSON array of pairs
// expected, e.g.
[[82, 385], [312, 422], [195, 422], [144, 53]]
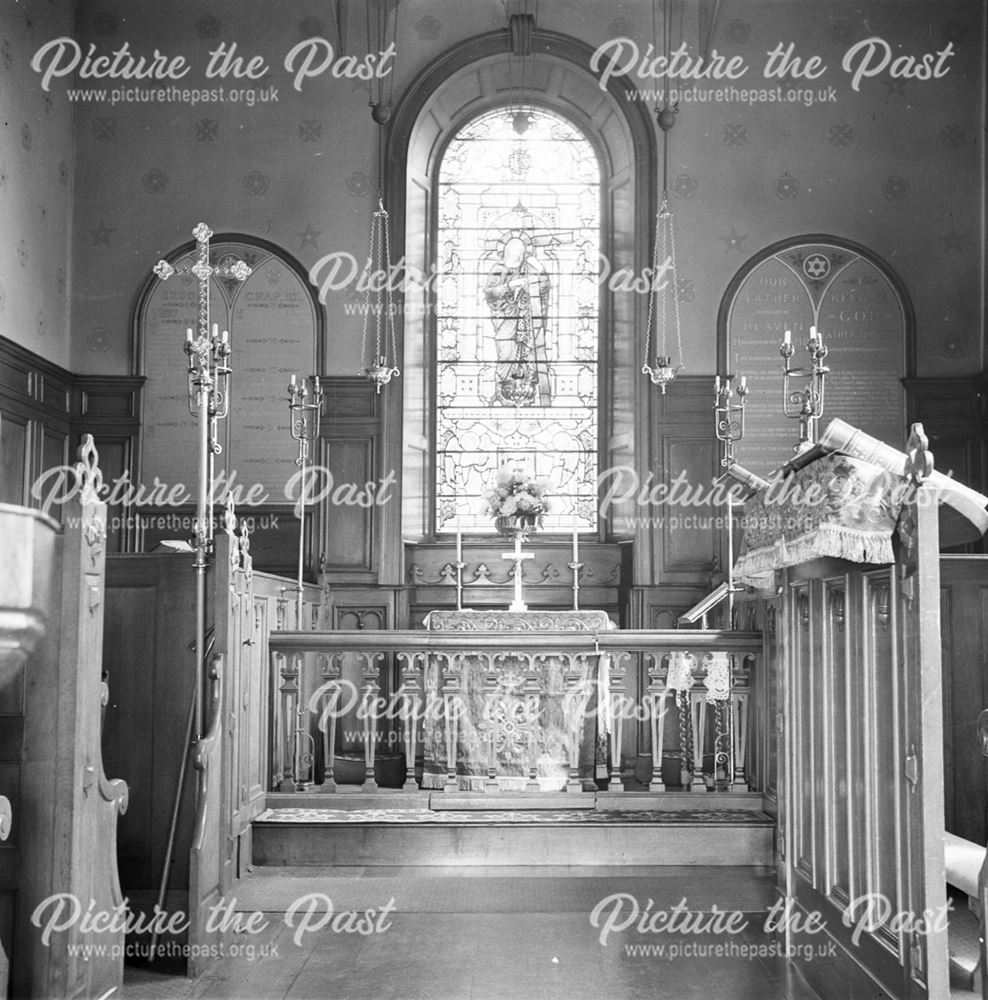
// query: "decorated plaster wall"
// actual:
[[36, 164], [896, 165]]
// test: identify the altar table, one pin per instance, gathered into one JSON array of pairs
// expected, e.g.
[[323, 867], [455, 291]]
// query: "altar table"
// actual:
[[512, 721]]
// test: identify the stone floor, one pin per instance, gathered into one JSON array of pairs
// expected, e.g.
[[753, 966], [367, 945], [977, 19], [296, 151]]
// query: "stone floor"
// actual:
[[492, 934]]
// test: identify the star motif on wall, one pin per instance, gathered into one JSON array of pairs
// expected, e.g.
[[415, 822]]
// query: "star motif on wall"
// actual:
[[684, 186], [621, 28], [358, 184], [101, 234], [685, 290], [104, 128], [735, 134], [255, 183], [738, 31], [310, 27], [894, 86], [309, 237], [953, 136], [207, 129], [428, 28], [840, 135], [841, 32], [310, 130], [895, 187], [953, 241], [816, 267], [155, 181], [733, 241], [786, 186]]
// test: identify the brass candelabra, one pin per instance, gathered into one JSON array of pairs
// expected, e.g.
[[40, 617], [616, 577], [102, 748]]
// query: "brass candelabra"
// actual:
[[305, 407], [729, 428], [804, 404]]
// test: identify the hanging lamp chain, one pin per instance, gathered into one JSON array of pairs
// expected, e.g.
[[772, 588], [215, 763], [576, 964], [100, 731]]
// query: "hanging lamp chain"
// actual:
[[664, 241]]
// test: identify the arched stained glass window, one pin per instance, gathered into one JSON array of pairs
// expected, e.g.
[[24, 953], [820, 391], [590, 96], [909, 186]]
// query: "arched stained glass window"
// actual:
[[518, 244]]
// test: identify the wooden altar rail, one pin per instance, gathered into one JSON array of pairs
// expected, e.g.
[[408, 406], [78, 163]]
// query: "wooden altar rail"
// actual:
[[308, 669]]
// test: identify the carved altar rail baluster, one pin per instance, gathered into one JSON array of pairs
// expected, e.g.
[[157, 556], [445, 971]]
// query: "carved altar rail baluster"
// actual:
[[680, 680], [578, 691], [718, 694], [371, 674], [301, 744], [452, 692], [410, 710], [328, 708], [490, 712], [285, 736], [535, 668], [698, 719], [657, 691], [741, 667], [618, 709]]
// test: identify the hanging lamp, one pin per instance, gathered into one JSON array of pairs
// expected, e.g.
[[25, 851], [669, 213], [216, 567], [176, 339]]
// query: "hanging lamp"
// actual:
[[663, 298], [380, 367]]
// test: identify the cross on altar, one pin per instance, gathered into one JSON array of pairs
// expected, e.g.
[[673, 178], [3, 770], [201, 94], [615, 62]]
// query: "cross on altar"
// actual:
[[203, 271], [518, 557]]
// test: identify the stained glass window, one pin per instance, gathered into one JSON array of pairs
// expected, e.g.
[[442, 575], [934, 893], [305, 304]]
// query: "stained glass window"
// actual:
[[517, 301]]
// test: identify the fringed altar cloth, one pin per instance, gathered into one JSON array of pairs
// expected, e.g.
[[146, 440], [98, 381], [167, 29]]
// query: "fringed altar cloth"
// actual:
[[508, 720], [836, 506]]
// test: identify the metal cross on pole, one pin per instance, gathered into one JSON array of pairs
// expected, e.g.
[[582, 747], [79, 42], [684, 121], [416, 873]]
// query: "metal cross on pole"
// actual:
[[209, 400]]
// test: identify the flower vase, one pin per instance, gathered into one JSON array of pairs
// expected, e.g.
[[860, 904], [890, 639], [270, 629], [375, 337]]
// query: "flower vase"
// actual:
[[516, 524]]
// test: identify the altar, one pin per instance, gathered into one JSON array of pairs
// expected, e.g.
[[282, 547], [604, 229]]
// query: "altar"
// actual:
[[513, 719]]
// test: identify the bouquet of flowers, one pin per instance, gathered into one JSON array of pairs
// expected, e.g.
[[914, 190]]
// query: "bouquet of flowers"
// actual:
[[516, 500]]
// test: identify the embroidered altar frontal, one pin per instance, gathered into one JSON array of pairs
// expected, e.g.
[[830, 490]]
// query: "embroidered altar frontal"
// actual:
[[512, 720]]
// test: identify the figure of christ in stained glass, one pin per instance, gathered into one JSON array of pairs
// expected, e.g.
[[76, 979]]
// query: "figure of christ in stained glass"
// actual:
[[516, 322]]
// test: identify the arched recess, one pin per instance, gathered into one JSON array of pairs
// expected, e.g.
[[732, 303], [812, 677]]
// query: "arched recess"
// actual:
[[864, 314], [466, 81], [276, 327]]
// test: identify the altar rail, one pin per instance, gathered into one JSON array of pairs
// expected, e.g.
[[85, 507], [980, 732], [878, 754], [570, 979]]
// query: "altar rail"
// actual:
[[710, 727]]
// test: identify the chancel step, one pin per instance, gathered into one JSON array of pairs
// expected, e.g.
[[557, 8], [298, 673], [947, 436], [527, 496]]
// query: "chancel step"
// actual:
[[373, 836]]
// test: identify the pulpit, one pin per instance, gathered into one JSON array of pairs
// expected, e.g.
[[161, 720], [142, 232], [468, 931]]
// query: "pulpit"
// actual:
[[517, 718]]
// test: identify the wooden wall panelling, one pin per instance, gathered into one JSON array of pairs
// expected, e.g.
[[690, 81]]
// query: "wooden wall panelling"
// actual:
[[15, 457], [149, 655], [44, 412], [954, 414], [369, 609], [34, 421], [349, 530], [678, 544], [109, 408], [964, 646]]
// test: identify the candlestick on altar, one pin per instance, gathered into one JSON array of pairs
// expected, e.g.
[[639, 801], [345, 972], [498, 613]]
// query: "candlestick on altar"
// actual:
[[518, 557], [460, 564], [575, 566]]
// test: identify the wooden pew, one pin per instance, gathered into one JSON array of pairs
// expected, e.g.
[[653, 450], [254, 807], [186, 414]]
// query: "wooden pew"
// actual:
[[63, 841]]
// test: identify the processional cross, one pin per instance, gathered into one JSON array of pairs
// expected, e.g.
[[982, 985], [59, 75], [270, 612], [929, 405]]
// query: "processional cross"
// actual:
[[209, 401], [518, 557]]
